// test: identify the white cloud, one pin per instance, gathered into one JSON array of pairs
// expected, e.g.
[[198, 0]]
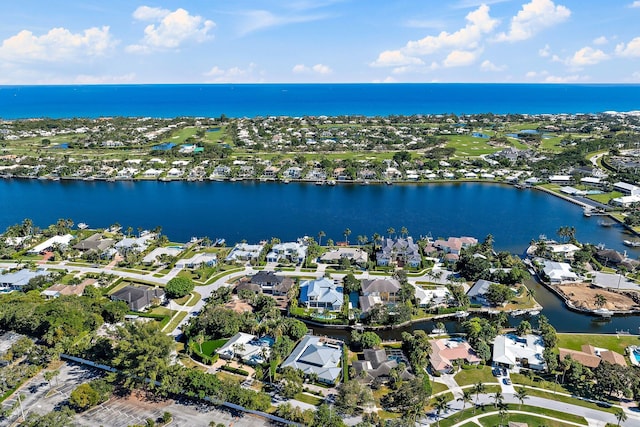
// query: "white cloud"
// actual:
[[460, 58], [255, 20], [586, 56], [318, 69], [566, 79], [490, 66], [478, 23], [170, 29], [462, 47], [533, 17], [59, 44], [395, 58], [600, 41], [636, 3], [631, 49], [85, 79], [234, 75], [545, 51]]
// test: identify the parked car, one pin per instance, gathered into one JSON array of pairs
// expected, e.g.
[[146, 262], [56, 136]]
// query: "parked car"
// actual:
[[507, 381]]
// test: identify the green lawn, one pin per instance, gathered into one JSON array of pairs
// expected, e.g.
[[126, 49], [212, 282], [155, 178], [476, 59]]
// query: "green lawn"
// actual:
[[494, 420], [306, 398], [438, 387], [196, 298], [537, 382], [570, 400], [471, 412], [613, 342], [209, 347], [605, 197], [176, 321], [472, 376], [470, 146]]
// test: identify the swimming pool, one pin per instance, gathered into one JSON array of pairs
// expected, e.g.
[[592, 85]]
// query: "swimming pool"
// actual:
[[636, 355]]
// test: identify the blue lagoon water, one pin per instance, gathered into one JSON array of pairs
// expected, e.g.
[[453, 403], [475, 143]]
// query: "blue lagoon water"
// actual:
[[250, 100]]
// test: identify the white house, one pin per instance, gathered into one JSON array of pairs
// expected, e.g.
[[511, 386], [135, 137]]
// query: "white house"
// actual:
[[626, 188], [251, 349], [49, 243], [197, 260], [319, 356], [559, 272], [431, 297], [512, 351]]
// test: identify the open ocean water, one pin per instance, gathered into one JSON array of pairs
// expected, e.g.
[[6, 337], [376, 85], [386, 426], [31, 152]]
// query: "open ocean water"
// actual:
[[251, 100]]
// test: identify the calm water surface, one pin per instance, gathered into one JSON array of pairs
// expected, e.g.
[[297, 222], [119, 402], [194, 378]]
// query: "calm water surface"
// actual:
[[257, 210]]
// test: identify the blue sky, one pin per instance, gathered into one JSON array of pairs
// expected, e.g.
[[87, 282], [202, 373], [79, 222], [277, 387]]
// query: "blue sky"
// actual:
[[251, 41]]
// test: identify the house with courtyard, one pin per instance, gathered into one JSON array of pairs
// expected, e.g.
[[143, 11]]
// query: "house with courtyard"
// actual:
[[294, 252], [59, 290], [154, 257], [354, 255], [244, 252], [400, 252], [61, 241], [454, 245], [197, 261], [317, 356], [591, 356], [138, 244], [267, 282], [514, 352], [378, 291], [477, 293], [431, 297], [139, 298], [321, 294], [377, 365], [558, 272], [446, 353], [96, 242], [248, 348]]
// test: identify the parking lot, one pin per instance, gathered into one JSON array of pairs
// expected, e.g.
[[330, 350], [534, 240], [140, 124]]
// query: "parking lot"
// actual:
[[41, 398]]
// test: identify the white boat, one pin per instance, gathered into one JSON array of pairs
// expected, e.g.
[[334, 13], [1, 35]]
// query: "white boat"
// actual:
[[632, 243], [436, 331], [517, 313], [461, 314], [534, 313], [603, 312], [82, 225]]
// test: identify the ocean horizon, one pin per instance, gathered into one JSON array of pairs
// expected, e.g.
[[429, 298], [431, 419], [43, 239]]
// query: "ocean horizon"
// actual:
[[301, 99]]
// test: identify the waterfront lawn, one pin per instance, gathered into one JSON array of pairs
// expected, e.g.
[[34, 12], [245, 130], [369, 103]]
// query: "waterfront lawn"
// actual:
[[604, 197], [472, 376], [613, 342]]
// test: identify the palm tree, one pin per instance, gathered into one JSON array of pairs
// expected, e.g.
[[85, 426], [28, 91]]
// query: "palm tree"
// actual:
[[503, 410], [200, 340], [497, 398], [362, 240], [521, 394], [375, 238], [465, 398], [346, 233], [441, 405], [477, 389], [321, 234], [621, 416], [391, 231], [404, 232], [531, 294], [600, 301]]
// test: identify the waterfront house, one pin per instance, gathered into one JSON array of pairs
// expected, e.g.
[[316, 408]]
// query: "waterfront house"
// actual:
[[514, 352], [381, 291], [139, 298], [17, 280], [625, 201], [139, 244], [354, 255], [560, 179], [155, 255], [453, 245], [558, 272], [399, 251], [61, 241], [431, 297], [294, 252], [321, 294], [198, 260], [627, 189], [591, 181], [95, 242], [478, 291], [248, 348], [378, 365], [319, 356], [591, 356], [565, 250], [447, 352], [244, 252]]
